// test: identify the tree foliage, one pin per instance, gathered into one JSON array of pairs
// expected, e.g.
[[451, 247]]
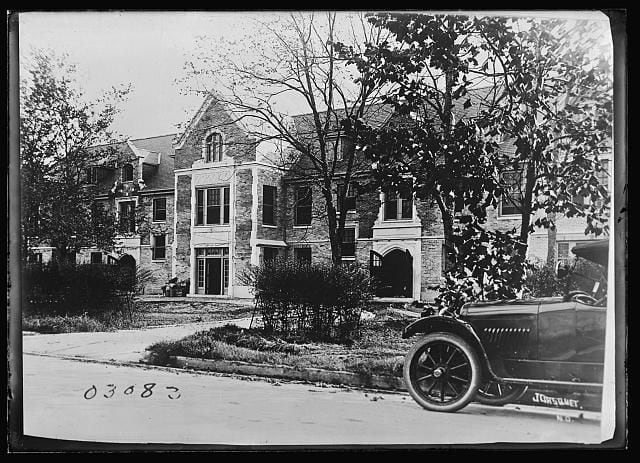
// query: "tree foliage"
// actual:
[[57, 126], [484, 96]]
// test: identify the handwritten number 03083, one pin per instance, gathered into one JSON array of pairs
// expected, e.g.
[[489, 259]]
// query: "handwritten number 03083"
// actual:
[[147, 391]]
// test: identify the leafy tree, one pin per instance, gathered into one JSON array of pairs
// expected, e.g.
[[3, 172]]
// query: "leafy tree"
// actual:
[[446, 150], [557, 109], [544, 86], [56, 129], [293, 67]]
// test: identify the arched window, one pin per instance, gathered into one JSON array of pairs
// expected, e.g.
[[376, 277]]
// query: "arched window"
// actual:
[[127, 173], [213, 147]]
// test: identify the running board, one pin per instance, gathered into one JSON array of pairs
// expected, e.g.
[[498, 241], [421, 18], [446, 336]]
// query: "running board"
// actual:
[[541, 382]]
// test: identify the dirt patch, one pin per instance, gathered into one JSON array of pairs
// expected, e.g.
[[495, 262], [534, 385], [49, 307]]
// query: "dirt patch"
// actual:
[[379, 350]]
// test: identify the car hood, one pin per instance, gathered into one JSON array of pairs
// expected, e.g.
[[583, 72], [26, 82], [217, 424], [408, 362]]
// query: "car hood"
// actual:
[[505, 305]]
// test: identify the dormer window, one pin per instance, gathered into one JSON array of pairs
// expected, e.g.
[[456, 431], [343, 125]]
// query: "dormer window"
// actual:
[[213, 147], [127, 173]]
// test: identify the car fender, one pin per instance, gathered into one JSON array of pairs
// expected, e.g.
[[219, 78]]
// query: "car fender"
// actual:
[[439, 323]]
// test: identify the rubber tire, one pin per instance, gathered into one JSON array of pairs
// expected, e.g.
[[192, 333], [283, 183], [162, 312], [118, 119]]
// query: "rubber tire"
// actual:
[[472, 357], [517, 392]]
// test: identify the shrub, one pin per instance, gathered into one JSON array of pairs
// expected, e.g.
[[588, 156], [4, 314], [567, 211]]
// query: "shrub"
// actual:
[[543, 281], [310, 301], [79, 289]]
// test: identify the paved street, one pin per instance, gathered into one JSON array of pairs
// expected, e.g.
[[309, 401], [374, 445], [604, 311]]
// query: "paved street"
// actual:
[[183, 407]]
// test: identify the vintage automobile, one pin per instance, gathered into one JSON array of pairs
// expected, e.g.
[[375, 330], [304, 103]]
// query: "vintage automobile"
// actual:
[[493, 351]]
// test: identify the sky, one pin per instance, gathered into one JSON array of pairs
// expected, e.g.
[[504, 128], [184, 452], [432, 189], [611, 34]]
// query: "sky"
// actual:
[[145, 49]]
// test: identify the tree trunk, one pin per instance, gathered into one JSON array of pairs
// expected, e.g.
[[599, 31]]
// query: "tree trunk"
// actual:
[[551, 241], [526, 205]]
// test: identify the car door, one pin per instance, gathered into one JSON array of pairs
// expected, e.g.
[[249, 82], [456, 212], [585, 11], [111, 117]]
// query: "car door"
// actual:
[[590, 333], [556, 330]]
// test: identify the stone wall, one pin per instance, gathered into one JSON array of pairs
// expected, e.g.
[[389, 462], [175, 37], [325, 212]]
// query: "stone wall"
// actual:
[[243, 224], [183, 226], [161, 268], [236, 144], [273, 178]]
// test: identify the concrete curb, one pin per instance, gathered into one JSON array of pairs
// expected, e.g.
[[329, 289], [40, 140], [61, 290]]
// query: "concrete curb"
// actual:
[[313, 375], [342, 378]]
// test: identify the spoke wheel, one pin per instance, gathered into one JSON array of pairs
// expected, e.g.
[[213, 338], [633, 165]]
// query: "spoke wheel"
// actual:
[[442, 372], [498, 394]]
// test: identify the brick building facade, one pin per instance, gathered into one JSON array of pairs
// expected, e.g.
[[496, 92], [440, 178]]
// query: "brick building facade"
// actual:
[[213, 205]]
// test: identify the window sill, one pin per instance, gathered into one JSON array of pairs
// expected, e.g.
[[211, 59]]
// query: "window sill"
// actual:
[[158, 261], [265, 225], [301, 226], [159, 221], [348, 258]]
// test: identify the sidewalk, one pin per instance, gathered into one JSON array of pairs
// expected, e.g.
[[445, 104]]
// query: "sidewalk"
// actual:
[[119, 346]]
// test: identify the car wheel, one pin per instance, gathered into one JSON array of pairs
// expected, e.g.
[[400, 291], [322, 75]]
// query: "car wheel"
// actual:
[[442, 372], [498, 394]]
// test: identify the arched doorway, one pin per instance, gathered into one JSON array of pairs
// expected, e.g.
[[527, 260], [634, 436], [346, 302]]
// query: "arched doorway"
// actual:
[[127, 261], [392, 273]]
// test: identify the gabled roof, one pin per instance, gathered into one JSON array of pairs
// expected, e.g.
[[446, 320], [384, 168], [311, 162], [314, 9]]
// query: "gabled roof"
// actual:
[[375, 115], [159, 149], [212, 97]]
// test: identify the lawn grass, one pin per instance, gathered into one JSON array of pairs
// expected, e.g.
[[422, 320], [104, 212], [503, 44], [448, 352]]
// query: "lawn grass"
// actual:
[[146, 315], [379, 350]]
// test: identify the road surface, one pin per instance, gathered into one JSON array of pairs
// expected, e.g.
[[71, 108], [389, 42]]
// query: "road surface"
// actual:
[[60, 402]]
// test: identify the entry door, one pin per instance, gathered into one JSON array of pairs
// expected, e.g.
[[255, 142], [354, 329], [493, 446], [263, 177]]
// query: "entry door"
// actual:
[[213, 278]]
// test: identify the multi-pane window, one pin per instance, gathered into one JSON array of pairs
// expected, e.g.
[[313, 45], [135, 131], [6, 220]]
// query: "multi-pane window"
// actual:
[[212, 206], [213, 148], [159, 209], [269, 205], [303, 204], [348, 196], [338, 147], [511, 201], [159, 247], [603, 176], [564, 257], [96, 257], [91, 175], [398, 205], [127, 217], [127, 173], [348, 245], [302, 255]]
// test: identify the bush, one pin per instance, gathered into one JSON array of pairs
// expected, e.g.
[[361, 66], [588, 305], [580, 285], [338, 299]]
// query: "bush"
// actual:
[[310, 301], [79, 289], [542, 281]]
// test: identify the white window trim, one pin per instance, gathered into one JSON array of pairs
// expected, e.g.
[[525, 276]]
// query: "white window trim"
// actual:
[[152, 244], [204, 216], [207, 134], [125, 199], [153, 220], [399, 209]]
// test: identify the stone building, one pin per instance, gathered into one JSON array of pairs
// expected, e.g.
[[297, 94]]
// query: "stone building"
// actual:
[[211, 202]]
